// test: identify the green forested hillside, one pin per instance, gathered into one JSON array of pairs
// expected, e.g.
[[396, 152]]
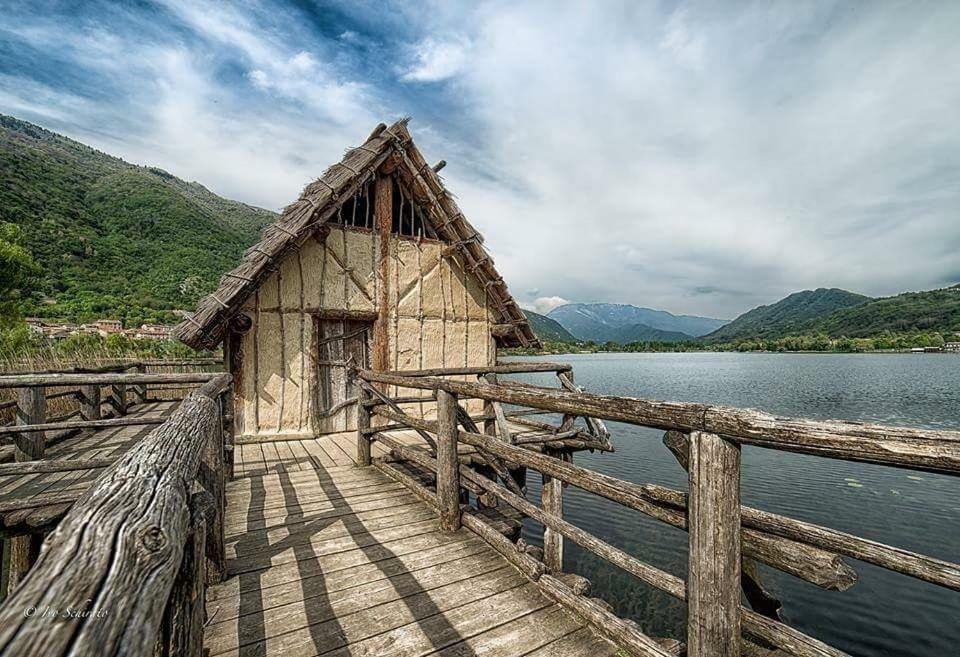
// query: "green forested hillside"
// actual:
[[548, 330], [910, 312], [789, 316], [112, 238]]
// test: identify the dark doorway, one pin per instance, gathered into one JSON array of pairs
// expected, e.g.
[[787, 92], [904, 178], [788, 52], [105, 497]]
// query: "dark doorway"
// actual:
[[338, 342]]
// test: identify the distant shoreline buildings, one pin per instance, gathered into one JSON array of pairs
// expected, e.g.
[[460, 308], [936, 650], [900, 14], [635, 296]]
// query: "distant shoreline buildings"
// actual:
[[102, 327]]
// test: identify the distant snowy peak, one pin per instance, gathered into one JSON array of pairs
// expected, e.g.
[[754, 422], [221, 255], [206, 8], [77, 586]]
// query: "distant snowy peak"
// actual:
[[603, 322]]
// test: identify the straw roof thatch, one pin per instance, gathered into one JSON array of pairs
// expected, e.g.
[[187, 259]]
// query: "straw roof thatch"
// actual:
[[320, 201]]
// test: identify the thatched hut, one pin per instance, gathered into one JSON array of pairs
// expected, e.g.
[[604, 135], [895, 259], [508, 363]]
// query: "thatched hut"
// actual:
[[374, 265]]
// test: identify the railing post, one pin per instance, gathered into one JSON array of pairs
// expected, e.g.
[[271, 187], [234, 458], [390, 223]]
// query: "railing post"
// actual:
[[713, 581], [140, 390], [185, 614], [118, 398], [363, 423], [31, 409], [486, 499], [448, 465], [551, 497], [211, 476], [228, 409], [90, 402]]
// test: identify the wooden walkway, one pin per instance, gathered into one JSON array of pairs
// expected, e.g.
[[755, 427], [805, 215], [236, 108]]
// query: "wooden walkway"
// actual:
[[192, 544], [329, 559], [89, 444]]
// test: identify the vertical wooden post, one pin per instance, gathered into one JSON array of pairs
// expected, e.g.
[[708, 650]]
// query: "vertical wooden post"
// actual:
[[363, 423], [485, 499], [31, 409], [551, 495], [713, 581], [182, 632], [140, 390], [751, 582], [227, 407], [90, 402], [383, 220], [118, 398], [211, 477], [448, 465], [233, 364]]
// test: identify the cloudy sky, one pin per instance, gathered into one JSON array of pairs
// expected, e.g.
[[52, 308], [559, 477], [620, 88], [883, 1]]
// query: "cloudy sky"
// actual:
[[696, 157]]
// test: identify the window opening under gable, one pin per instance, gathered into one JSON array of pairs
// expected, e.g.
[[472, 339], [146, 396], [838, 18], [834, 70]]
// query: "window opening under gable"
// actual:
[[357, 211]]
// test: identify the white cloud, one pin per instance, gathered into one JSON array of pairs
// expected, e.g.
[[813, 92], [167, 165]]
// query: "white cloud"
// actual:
[[700, 161], [192, 123], [434, 59], [544, 305], [707, 161], [678, 39]]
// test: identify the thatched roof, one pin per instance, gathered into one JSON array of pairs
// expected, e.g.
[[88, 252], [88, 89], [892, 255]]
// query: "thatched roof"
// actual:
[[320, 201]]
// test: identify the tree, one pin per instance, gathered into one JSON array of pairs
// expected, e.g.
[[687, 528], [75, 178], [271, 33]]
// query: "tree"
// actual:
[[18, 273]]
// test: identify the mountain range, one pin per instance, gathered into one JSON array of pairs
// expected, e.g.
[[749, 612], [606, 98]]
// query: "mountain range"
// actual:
[[611, 322], [792, 314], [928, 311], [113, 238], [829, 312]]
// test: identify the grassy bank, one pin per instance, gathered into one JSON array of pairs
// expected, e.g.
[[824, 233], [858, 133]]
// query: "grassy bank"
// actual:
[[22, 350]]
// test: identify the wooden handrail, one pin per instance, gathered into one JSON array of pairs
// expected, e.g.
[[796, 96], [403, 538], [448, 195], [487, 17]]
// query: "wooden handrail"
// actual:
[[525, 367], [928, 450], [711, 513], [120, 551], [184, 362], [809, 563], [76, 379], [772, 631], [81, 424]]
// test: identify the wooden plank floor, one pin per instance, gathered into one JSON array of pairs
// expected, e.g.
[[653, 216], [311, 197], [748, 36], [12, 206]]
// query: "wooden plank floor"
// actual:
[[329, 559]]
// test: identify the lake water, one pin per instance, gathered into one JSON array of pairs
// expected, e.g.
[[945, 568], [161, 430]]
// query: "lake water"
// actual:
[[884, 613]]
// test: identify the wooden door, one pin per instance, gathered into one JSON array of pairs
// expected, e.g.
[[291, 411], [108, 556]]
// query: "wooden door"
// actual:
[[338, 342]]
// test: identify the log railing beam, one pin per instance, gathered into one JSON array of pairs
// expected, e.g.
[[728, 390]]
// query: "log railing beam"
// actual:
[[814, 565], [60, 379], [140, 507], [919, 449], [479, 370]]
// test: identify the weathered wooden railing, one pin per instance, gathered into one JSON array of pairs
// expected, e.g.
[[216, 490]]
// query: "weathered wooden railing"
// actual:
[[34, 432], [91, 401], [706, 440], [124, 572]]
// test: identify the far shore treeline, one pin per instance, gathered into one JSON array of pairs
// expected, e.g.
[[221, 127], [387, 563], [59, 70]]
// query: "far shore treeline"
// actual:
[[798, 343]]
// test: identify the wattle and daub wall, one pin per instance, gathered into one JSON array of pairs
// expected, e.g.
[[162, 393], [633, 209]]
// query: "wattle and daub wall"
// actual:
[[438, 316]]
